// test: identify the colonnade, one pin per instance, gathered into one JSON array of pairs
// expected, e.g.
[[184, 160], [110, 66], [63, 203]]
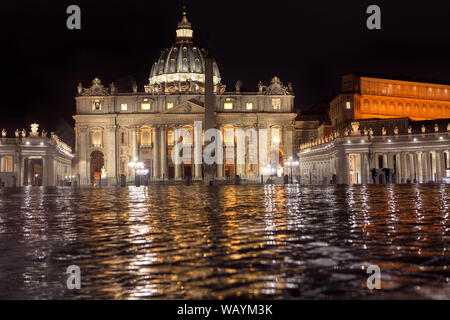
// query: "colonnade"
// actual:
[[355, 167]]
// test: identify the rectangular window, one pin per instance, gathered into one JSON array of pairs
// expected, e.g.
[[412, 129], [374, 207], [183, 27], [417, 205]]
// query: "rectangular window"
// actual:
[[145, 106], [347, 105], [228, 105], [276, 103], [169, 105], [124, 107], [249, 106]]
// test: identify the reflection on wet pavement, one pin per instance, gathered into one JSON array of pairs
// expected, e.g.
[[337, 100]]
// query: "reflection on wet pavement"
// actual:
[[197, 242]]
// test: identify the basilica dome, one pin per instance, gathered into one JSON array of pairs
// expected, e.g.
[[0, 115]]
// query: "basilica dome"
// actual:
[[181, 68]]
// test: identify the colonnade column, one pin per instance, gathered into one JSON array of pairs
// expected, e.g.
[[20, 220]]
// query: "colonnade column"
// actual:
[[219, 155], [426, 166], [240, 150], [398, 163], [439, 165], [45, 171], [418, 166], [446, 164], [262, 147], [411, 170], [198, 159], [21, 172], [134, 150], [177, 157], [404, 173], [111, 156], [84, 160], [163, 151], [385, 160], [156, 152], [364, 168]]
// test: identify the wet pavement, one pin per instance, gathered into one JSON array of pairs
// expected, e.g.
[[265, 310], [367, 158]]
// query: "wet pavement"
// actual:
[[252, 241]]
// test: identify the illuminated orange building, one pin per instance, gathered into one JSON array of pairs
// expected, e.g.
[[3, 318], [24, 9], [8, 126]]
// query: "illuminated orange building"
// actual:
[[368, 97]]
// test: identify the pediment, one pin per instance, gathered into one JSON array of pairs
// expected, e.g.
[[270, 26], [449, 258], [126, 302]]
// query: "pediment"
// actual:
[[186, 107]]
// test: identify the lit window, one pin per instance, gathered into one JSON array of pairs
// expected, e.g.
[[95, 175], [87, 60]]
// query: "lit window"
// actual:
[[170, 138], [276, 136], [124, 107], [146, 138], [249, 106], [229, 136], [169, 105], [145, 106], [347, 105], [276, 103], [228, 105], [96, 105]]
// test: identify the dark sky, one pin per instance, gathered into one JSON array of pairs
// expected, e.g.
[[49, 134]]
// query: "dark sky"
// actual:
[[310, 44]]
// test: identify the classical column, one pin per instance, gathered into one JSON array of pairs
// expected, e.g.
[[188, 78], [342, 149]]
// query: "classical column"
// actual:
[[177, 158], [134, 149], [111, 155], [45, 172], [345, 169], [446, 164], [404, 161], [156, 151], [342, 165], [3, 167], [198, 159], [219, 155], [439, 165], [427, 167], [419, 168], [398, 163], [262, 147], [163, 151], [29, 173], [84, 159], [385, 160], [411, 170], [240, 150], [21, 170], [364, 168]]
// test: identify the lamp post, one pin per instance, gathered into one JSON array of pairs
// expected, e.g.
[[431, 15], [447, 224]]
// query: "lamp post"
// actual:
[[139, 170], [291, 164], [268, 171]]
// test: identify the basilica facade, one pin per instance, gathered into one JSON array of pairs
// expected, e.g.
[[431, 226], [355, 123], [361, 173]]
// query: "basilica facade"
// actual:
[[116, 129]]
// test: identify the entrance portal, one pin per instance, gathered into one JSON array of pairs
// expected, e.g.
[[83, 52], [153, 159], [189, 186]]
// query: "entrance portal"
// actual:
[[97, 163], [33, 172]]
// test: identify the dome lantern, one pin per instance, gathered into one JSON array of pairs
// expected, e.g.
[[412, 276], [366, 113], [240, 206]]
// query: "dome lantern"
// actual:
[[181, 68], [184, 30]]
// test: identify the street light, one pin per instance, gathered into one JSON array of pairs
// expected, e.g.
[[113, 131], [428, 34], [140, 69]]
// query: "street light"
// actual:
[[291, 164], [268, 171], [140, 170]]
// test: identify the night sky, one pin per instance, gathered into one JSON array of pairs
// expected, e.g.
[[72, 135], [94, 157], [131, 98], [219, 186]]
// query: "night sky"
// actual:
[[310, 44]]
